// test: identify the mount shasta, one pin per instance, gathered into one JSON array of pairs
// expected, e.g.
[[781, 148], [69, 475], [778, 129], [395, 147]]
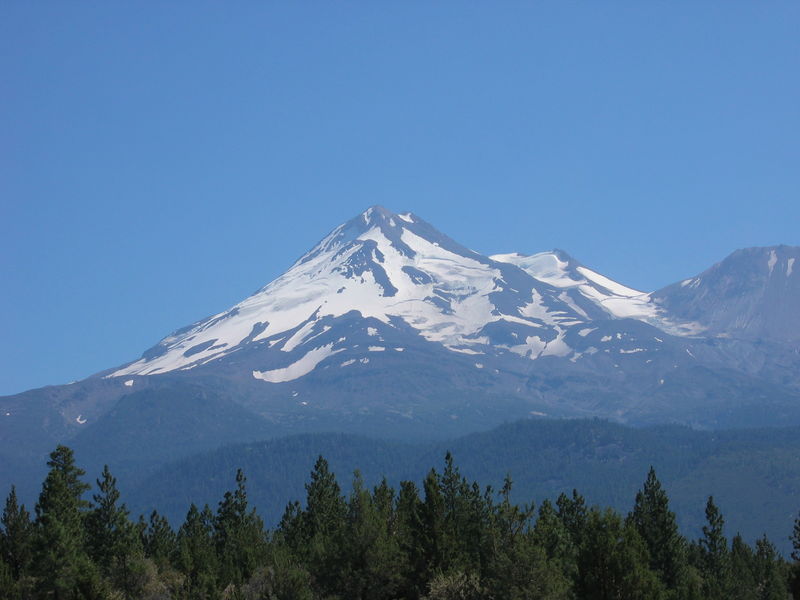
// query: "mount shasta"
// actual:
[[388, 326]]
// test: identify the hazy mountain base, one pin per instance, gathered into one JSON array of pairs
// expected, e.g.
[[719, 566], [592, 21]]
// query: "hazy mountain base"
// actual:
[[753, 474]]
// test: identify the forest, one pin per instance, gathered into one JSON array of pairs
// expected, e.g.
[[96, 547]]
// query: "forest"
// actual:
[[445, 539]]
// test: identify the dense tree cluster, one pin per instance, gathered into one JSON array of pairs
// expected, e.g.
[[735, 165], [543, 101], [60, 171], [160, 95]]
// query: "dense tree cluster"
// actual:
[[449, 540]]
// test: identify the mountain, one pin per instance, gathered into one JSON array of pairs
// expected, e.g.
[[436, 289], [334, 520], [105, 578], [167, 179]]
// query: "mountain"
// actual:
[[752, 294], [391, 328]]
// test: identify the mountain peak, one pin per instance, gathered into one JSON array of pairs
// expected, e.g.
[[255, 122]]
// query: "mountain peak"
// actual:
[[377, 214]]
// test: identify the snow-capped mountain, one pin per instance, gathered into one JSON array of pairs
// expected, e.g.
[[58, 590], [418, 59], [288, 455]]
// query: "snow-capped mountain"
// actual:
[[387, 326], [400, 271]]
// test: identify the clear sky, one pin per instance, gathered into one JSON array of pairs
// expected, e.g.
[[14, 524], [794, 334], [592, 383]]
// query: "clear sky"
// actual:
[[159, 161]]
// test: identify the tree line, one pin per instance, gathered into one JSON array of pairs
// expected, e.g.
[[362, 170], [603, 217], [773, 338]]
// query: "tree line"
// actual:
[[451, 539]]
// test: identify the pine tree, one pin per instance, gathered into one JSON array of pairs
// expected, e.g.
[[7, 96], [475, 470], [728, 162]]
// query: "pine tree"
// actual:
[[411, 541], [519, 566], [431, 525], [238, 536], [572, 512], [613, 561], [743, 583], [60, 559], [292, 529], [656, 524], [370, 550], [768, 572], [197, 559], [323, 522], [715, 557], [16, 536], [112, 540], [159, 541], [550, 534]]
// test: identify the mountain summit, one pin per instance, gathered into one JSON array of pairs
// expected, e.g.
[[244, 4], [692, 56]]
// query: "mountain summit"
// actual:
[[387, 326], [401, 272]]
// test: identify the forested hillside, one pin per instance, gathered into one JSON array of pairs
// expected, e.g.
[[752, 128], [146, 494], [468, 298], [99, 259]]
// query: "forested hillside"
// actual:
[[444, 538], [753, 474]]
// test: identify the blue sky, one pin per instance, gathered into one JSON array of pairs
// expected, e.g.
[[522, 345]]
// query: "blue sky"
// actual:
[[161, 161]]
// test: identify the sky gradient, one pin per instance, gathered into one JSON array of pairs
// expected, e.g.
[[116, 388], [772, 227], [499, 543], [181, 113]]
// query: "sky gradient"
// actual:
[[161, 161]]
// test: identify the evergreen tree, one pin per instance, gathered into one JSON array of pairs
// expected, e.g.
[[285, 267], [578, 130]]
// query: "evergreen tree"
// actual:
[[768, 571], [743, 583], [551, 535], [657, 526], [197, 559], [572, 512], [159, 541], [411, 542], [431, 525], [370, 550], [238, 536], [613, 561], [61, 563], [455, 519], [715, 559], [519, 567], [112, 540], [292, 529], [16, 536], [323, 522]]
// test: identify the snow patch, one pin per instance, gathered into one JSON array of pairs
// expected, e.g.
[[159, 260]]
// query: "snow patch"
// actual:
[[478, 365], [80, 420], [376, 348], [789, 267], [587, 331], [463, 350], [129, 383], [348, 362], [371, 331], [304, 366], [606, 338], [772, 260]]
